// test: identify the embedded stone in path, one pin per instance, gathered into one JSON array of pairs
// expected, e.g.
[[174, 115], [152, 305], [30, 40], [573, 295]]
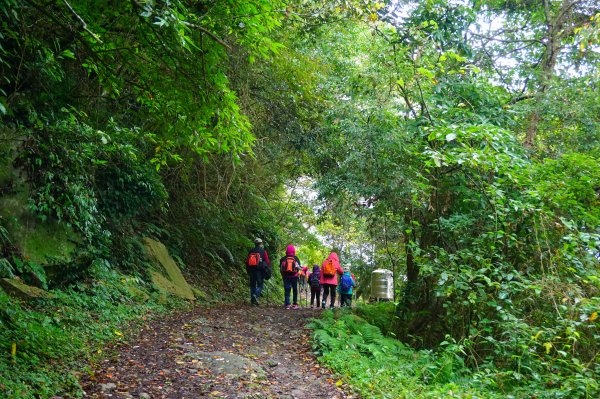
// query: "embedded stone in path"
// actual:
[[232, 365]]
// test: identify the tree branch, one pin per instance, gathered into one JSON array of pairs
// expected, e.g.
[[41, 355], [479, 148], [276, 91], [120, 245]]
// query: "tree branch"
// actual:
[[521, 98], [496, 39], [209, 33], [83, 24]]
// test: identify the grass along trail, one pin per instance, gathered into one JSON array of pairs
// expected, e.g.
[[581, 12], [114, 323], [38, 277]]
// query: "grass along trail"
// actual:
[[221, 352]]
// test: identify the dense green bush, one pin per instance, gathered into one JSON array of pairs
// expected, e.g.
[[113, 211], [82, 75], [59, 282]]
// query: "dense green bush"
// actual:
[[380, 314], [380, 367], [86, 177]]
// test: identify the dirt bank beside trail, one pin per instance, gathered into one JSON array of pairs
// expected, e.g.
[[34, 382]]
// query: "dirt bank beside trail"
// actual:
[[220, 352]]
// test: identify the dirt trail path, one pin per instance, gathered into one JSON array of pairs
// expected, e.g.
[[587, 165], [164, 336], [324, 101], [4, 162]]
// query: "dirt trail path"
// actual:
[[221, 352]]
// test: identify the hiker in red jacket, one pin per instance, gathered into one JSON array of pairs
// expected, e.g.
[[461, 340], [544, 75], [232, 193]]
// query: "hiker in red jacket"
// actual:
[[329, 278]]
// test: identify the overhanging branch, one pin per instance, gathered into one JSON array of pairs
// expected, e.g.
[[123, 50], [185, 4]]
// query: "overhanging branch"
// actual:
[[209, 33], [83, 23]]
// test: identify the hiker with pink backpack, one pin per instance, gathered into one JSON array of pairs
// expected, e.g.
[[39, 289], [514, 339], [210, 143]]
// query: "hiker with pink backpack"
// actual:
[[329, 278], [289, 267]]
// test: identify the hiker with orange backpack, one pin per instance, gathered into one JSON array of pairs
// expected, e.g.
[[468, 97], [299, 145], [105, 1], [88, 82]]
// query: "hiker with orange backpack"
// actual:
[[289, 267], [329, 278], [257, 266]]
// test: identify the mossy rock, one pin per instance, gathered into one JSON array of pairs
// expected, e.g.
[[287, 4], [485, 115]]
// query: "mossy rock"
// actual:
[[17, 288], [138, 294], [167, 276], [199, 294], [38, 241]]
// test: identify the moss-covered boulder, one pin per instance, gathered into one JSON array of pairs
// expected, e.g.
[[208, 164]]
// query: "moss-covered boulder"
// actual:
[[38, 241], [16, 287], [167, 276]]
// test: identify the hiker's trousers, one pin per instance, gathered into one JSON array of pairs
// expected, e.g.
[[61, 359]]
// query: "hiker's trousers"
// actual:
[[328, 289]]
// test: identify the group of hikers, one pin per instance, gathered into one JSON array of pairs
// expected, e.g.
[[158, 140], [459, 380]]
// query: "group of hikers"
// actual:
[[320, 278]]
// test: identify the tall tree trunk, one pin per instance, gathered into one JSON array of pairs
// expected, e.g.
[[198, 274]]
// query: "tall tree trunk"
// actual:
[[556, 30], [412, 270]]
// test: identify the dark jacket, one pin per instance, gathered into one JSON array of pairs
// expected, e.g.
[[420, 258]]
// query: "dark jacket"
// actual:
[[264, 257], [316, 271]]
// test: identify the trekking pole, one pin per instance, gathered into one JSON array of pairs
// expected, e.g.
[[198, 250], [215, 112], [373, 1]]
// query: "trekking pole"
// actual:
[[306, 292]]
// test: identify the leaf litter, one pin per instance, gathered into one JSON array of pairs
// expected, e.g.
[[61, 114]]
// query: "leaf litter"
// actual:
[[220, 352]]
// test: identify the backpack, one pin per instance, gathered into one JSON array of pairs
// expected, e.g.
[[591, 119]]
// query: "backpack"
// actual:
[[313, 281], [289, 265], [345, 284], [254, 258], [329, 268], [267, 273]]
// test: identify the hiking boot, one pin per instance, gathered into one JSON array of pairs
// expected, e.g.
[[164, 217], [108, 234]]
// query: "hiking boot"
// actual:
[[294, 306], [288, 307], [253, 301], [323, 305]]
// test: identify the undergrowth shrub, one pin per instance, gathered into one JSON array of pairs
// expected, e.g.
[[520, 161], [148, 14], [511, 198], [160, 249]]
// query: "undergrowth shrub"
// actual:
[[380, 314], [536, 333], [527, 362], [381, 367], [49, 338]]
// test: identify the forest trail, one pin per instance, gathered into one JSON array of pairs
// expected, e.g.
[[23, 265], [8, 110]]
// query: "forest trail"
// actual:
[[221, 352]]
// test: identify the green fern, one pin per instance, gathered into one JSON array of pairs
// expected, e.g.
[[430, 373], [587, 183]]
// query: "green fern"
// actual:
[[323, 342], [371, 334], [381, 367], [4, 236]]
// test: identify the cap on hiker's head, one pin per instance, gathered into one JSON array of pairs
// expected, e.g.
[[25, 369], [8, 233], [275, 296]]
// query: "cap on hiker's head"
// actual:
[[257, 240], [346, 268]]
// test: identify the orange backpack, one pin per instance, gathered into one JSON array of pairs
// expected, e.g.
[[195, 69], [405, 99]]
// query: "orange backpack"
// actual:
[[329, 268], [253, 259], [289, 265]]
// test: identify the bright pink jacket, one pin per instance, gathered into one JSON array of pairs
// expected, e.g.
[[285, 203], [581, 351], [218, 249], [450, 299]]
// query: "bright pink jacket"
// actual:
[[336, 262], [290, 251]]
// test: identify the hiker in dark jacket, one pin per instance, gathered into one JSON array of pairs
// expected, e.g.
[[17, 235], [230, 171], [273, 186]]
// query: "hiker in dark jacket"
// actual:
[[289, 267], [257, 264], [315, 286]]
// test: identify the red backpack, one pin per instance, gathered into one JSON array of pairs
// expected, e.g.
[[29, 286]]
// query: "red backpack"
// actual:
[[253, 259]]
